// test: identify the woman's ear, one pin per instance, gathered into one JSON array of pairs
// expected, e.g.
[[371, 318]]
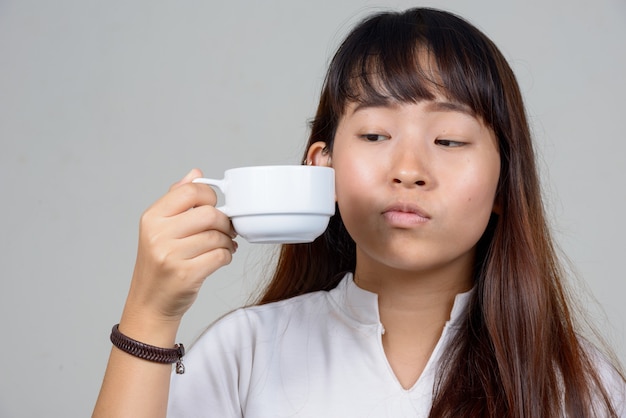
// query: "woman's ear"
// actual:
[[318, 154]]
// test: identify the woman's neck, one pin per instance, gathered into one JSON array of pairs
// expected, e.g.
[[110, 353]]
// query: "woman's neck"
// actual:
[[413, 308], [423, 295]]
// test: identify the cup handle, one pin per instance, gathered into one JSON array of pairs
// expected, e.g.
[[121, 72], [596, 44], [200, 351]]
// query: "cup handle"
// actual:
[[220, 184]]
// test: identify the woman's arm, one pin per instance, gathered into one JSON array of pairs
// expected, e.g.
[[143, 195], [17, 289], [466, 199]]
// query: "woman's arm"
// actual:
[[133, 387], [182, 240]]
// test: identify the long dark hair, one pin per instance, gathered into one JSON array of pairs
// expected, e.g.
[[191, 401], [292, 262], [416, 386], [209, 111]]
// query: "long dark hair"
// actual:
[[518, 354]]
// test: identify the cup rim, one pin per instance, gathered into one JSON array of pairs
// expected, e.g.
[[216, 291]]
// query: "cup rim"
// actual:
[[280, 166]]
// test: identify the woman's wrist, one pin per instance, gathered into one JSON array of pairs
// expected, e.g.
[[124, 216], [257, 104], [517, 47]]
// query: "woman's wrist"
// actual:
[[149, 328]]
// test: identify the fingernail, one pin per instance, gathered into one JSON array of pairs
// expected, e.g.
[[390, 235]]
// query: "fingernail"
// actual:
[[188, 176]]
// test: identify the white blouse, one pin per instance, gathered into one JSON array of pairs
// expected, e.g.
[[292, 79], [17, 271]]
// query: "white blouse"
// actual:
[[315, 355]]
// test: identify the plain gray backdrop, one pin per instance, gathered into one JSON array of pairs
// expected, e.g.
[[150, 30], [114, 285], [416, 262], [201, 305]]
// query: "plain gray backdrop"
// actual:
[[104, 104]]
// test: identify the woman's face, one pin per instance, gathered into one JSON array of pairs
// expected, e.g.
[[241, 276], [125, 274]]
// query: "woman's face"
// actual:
[[415, 183]]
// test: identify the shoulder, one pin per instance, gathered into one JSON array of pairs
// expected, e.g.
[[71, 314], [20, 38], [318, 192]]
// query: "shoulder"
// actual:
[[222, 362], [240, 327]]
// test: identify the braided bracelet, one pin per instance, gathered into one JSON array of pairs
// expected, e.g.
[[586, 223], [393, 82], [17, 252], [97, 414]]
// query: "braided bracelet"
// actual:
[[149, 352]]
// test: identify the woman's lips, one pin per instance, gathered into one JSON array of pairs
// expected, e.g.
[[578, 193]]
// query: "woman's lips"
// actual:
[[405, 215]]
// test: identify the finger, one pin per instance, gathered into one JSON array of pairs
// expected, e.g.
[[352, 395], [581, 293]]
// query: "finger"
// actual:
[[183, 198], [207, 263], [193, 174], [205, 242], [197, 220]]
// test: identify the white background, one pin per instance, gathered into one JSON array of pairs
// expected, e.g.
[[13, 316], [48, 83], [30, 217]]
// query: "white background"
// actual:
[[104, 104]]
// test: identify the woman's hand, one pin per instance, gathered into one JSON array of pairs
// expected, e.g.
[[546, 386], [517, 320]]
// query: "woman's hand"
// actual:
[[183, 238]]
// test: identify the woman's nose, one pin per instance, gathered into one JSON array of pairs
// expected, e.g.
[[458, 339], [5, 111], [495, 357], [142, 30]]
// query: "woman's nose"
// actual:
[[408, 179], [410, 169]]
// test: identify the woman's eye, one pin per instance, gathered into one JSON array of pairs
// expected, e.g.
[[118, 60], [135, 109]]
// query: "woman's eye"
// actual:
[[449, 143], [374, 137]]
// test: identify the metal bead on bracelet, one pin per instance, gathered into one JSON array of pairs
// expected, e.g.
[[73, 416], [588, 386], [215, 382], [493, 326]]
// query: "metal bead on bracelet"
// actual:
[[149, 352]]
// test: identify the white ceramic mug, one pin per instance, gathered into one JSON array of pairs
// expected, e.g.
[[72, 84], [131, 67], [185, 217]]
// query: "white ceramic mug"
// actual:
[[277, 204]]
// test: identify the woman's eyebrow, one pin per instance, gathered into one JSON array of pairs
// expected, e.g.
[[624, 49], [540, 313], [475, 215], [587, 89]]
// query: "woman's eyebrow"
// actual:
[[431, 106], [368, 104], [444, 106]]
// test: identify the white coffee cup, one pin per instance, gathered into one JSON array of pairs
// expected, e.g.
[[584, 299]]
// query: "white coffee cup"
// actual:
[[277, 204]]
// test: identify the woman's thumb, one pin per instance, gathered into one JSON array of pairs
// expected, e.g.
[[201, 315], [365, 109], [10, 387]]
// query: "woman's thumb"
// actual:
[[193, 174]]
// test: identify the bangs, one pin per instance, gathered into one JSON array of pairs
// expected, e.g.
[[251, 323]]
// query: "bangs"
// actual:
[[413, 57], [378, 78]]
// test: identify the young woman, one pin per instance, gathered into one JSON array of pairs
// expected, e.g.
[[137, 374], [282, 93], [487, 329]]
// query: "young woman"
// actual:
[[435, 290]]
